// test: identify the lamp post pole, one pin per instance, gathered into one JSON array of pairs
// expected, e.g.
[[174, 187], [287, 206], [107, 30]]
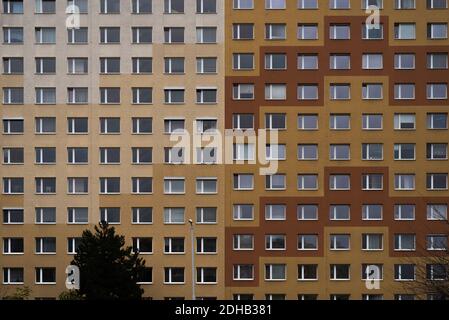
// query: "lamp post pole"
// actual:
[[193, 257]]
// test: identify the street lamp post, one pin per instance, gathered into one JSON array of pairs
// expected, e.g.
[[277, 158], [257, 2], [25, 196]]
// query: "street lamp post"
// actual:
[[193, 257]]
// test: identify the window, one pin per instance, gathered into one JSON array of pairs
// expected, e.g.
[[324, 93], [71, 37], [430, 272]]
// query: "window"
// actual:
[[307, 242], [77, 155], [243, 121], [243, 91], [404, 151], [45, 215], [436, 121], [275, 61], [243, 4], [142, 35], [206, 65], [45, 95], [109, 155], [46, 245], [174, 35], [45, 275], [243, 212], [109, 35], [243, 242], [142, 125], [206, 185], [275, 121], [81, 35], [307, 92], [404, 272], [437, 151], [109, 185], [275, 242], [307, 122], [77, 215], [372, 181], [174, 155], [404, 4], [45, 65], [13, 95], [404, 121], [45, 35], [372, 32], [243, 152], [173, 275], [206, 95], [77, 185], [307, 182], [13, 276], [206, 215], [436, 91], [340, 121], [339, 272], [174, 215], [307, 211], [206, 155], [404, 181], [307, 272], [339, 32], [274, 4], [13, 185], [243, 181], [206, 275], [45, 6], [437, 61], [275, 31], [372, 91], [174, 185], [45, 125], [206, 126], [13, 126], [307, 152], [437, 31], [339, 152], [12, 65], [110, 215], [243, 31], [13, 216], [109, 125], [13, 156], [307, 61], [13, 246], [372, 241], [405, 31], [173, 6], [340, 61], [404, 212], [372, 212], [372, 151], [206, 245], [307, 4], [436, 181], [142, 155], [243, 272], [275, 272], [308, 31], [142, 6], [372, 61], [109, 6], [436, 242], [174, 65], [142, 185], [72, 245], [436, 211], [143, 245], [340, 182], [110, 95], [372, 272], [275, 182], [206, 6], [142, 215], [436, 4], [109, 65], [77, 65], [174, 245], [339, 4], [340, 242], [142, 95], [436, 272], [142, 65], [340, 91], [339, 212], [206, 35], [404, 242], [174, 96], [77, 95], [45, 155], [45, 185], [12, 35], [275, 212], [13, 6]]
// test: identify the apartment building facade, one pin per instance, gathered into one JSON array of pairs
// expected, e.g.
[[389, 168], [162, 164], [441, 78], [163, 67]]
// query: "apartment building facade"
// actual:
[[109, 107]]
